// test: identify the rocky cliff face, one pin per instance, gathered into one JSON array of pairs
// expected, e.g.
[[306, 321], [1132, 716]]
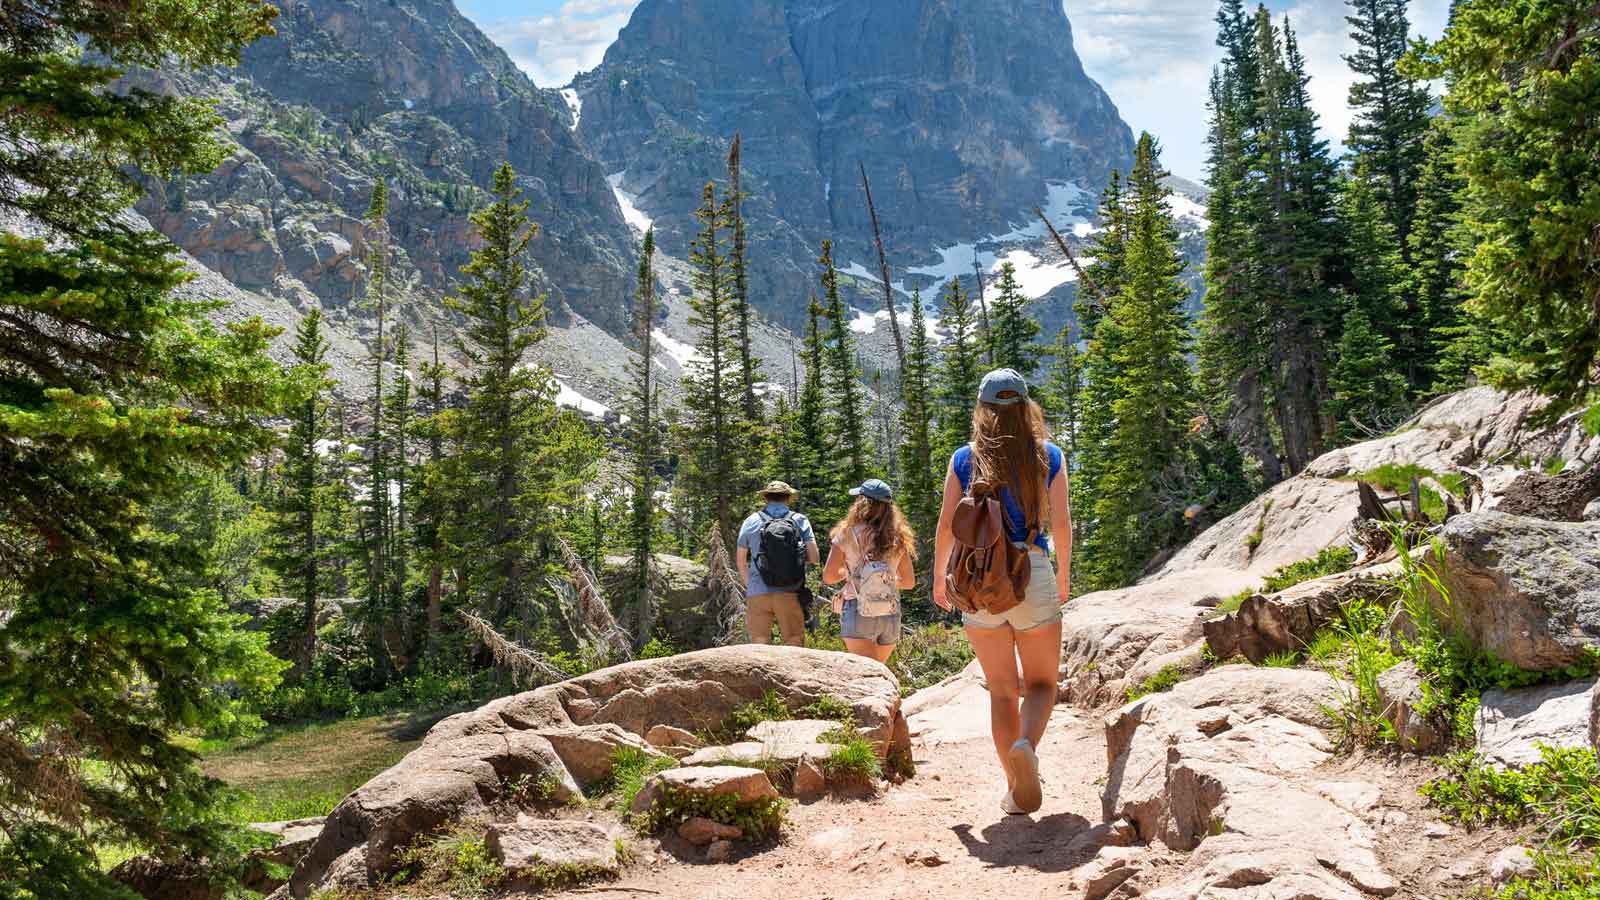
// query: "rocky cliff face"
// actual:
[[966, 115], [352, 89]]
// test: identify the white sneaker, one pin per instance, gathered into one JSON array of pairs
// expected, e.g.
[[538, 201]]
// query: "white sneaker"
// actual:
[[1026, 790], [1010, 807]]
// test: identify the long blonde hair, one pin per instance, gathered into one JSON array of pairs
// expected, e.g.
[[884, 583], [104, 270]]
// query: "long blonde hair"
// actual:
[[1008, 450], [889, 531]]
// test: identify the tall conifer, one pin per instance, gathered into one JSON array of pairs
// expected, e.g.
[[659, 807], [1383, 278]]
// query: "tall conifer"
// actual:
[[959, 373], [643, 450], [1391, 113], [1013, 339], [297, 538], [844, 383]]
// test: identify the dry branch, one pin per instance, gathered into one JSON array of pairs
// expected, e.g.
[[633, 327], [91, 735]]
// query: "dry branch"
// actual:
[[528, 669], [727, 592], [1097, 295], [883, 270], [594, 619]]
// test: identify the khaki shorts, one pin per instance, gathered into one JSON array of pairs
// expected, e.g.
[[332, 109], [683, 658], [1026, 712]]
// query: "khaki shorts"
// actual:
[[1040, 605], [780, 606]]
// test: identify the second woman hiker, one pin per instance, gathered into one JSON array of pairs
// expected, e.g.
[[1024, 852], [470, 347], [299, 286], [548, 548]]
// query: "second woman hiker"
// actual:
[[872, 553], [1010, 456]]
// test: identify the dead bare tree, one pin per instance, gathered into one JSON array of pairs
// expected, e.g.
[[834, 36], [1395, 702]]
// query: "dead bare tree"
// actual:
[[527, 668], [883, 271], [727, 603], [1097, 295], [589, 616]]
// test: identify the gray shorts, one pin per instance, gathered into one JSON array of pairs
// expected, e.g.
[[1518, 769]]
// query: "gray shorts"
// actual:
[[1040, 605], [881, 630]]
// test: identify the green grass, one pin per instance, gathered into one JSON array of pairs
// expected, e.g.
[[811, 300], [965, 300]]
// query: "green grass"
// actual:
[[457, 861], [1231, 605], [929, 655], [1354, 652], [1162, 681], [1328, 561], [1288, 659], [758, 819], [630, 769], [1254, 539], [854, 758], [771, 708], [297, 772], [1397, 479], [1555, 465]]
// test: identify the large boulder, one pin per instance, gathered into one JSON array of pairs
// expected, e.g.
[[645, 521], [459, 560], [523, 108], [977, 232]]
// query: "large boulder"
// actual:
[[681, 592], [528, 844], [1511, 725], [563, 736], [1228, 763], [1287, 621], [1526, 590]]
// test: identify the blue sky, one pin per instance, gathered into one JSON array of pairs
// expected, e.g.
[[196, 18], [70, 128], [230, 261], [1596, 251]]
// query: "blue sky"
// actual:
[[1153, 57]]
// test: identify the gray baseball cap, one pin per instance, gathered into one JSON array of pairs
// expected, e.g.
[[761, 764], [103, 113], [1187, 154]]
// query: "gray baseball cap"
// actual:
[[1003, 387], [874, 489]]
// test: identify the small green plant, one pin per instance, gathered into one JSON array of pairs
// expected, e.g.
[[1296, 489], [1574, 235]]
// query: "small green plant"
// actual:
[[854, 758], [1355, 653], [1160, 682], [1559, 874], [656, 648], [929, 655], [1554, 465], [528, 790], [1231, 604], [769, 708], [1254, 539], [630, 769], [828, 708], [457, 860], [1397, 479], [1559, 793], [1288, 659], [758, 819], [1328, 561]]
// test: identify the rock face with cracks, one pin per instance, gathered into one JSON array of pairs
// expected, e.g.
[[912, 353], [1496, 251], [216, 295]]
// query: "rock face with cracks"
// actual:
[[564, 735], [1226, 765]]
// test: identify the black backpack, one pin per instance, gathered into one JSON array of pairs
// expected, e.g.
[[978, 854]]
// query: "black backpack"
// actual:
[[780, 553]]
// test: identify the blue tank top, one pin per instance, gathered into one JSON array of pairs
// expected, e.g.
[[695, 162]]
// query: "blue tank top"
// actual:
[[1016, 521]]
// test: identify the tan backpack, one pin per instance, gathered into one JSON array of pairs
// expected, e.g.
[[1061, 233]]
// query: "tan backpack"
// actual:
[[986, 572]]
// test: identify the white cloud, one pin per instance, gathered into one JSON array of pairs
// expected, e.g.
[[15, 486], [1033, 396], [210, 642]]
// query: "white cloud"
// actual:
[[553, 48]]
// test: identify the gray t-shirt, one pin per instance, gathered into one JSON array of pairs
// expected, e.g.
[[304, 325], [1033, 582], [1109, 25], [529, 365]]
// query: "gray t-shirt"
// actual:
[[750, 539]]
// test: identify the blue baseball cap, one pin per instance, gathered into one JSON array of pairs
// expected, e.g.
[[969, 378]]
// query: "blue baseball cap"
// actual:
[[873, 489], [1003, 387]]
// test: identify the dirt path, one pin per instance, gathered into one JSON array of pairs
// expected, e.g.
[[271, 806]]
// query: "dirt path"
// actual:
[[848, 849]]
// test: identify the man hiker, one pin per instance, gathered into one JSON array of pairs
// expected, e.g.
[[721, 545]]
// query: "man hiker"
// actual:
[[780, 543]]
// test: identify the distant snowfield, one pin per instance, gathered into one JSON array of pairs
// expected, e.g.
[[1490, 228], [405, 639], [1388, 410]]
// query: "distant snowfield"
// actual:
[[567, 397], [1035, 276], [1188, 212], [678, 350], [630, 211], [574, 103]]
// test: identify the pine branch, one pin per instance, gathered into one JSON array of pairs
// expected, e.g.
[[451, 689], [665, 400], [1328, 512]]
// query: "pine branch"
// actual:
[[528, 669], [1083, 277]]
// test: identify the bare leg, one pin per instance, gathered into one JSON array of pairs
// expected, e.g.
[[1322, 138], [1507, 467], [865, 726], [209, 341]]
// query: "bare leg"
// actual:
[[862, 647], [1040, 649], [882, 652], [996, 650]]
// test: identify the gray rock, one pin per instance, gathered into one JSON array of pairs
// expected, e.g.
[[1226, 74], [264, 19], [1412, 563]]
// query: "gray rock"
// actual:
[[1399, 691], [1510, 864], [743, 784], [1511, 725], [574, 846], [810, 782], [1526, 590], [1269, 624], [1591, 512], [701, 831], [1594, 717], [720, 851]]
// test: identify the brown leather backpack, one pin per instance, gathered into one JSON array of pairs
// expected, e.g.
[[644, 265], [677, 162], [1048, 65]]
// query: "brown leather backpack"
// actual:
[[986, 572]]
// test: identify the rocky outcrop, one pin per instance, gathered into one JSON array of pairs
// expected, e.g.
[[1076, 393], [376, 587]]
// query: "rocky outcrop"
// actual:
[[1226, 765], [962, 113], [563, 737], [1511, 725], [1287, 621], [1526, 590]]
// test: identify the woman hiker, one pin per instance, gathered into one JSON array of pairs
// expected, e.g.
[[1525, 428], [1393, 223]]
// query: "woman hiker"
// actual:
[[872, 552], [1011, 448]]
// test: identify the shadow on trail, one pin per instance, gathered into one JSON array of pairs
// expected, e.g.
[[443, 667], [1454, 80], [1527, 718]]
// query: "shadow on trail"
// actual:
[[1041, 844]]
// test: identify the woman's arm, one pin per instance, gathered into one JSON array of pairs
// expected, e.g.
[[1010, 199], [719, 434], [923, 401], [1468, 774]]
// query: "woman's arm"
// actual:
[[905, 574], [943, 536], [834, 571], [1061, 533]]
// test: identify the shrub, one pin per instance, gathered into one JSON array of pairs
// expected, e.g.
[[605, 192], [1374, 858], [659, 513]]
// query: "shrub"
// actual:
[[1161, 682], [457, 860], [771, 708], [928, 655], [1397, 479], [656, 648], [1355, 653], [1559, 794]]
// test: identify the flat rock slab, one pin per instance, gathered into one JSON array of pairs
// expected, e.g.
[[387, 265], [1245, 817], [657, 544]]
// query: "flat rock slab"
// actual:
[[1511, 725], [751, 753], [745, 785], [528, 843], [793, 731]]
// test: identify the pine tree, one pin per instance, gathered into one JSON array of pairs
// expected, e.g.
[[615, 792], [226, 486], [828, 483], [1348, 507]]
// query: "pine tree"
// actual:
[[378, 610], [1526, 93], [960, 371], [118, 395], [1064, 392], [714, 438], [1375, 270], [398, 413], [1140, 500], [844, 383], [432, 486], [1434, 282], [644, 444], [811, 437], [509, 416], [297, 551], [919, 485], [341, 518], [1391, 114], [1013, 340], [749, 366], [1366, 387]]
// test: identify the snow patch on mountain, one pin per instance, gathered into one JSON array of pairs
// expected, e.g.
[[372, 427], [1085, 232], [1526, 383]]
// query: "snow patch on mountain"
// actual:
[[629, 203]]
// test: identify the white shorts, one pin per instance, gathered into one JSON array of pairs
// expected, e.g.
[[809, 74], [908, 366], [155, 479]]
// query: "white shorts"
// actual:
[[1040, 605]]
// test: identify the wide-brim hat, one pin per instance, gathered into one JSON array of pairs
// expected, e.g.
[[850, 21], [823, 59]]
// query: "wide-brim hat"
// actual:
[[777, 487]]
